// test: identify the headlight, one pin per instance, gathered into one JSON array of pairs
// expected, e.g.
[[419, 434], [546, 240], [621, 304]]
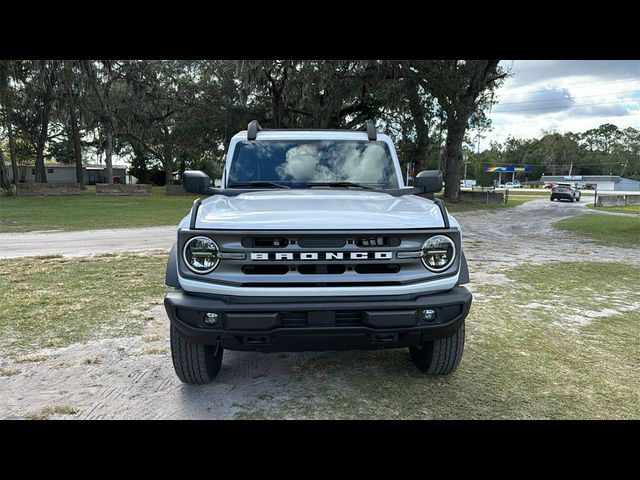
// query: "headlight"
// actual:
[[200, 254], [438, 253]]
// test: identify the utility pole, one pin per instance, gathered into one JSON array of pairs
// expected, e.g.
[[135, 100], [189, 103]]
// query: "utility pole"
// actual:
[[571, 168], [625, 167], [465, 160]]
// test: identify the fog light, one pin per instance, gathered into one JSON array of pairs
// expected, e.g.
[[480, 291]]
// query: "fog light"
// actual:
[[428, 314], [211, 319]]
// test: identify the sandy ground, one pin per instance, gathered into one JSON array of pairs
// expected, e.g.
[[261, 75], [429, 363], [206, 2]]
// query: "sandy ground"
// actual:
[[129, 381]]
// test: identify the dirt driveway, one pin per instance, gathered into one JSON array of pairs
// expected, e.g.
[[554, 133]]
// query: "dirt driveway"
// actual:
[[134, 378], [88, 242]]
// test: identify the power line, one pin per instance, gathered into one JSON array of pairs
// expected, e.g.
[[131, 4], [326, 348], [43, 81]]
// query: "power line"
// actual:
[[583, 85], [570, 98], [519, 122], [564, 108]]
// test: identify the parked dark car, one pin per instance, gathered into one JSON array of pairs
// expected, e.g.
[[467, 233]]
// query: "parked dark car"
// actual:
[[565, 191]]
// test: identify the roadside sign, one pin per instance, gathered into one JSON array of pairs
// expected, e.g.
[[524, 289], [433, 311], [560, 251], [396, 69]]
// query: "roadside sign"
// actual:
[[410, 172]]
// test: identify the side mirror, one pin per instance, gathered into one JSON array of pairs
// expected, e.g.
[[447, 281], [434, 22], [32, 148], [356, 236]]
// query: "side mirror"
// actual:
[[195, 181], [429, 180]]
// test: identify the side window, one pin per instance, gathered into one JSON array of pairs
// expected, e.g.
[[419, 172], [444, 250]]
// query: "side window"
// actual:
[[49, 170], [33, 171]]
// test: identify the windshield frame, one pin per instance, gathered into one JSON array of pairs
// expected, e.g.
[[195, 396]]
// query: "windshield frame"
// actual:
[[395, 181]]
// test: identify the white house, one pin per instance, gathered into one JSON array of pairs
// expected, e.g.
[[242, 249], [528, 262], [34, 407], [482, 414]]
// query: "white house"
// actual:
[[66, 173], [604, 182]]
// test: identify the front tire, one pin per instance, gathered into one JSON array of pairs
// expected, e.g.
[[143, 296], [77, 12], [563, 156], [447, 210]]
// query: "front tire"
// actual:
[[193, 362], [441, 356]]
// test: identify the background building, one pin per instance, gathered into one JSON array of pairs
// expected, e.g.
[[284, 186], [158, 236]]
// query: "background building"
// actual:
[[66, 173], [603, 182]]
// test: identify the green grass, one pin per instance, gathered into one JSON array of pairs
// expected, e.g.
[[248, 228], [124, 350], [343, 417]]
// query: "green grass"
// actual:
[[89, 211], [614, 230], [620, 209], [58, 301], [520, 362]]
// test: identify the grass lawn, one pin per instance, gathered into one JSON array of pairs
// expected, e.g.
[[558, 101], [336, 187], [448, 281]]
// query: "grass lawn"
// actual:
[[89, 211], [615, 230], [53, 302], [620, 209], [560, 341]]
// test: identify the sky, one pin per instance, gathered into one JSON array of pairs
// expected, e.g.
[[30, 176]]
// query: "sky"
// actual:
[[563, 95]]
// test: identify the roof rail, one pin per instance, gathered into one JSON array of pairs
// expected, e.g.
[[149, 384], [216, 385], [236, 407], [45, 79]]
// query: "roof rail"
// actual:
[[253, 129], [371, 130]]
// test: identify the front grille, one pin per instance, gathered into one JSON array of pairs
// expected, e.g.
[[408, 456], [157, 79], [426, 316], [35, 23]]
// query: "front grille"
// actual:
[[299, 259]]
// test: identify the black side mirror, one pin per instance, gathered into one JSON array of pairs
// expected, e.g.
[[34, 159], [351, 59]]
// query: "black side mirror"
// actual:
[[195, 181], [429, 180]]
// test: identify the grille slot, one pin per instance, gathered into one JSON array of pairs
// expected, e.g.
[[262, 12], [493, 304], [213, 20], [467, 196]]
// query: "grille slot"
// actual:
[[377, 241], [293, 319], [322, 242], [264, 269], [371, 268], [321, 269], [265, 242], [348, 317]]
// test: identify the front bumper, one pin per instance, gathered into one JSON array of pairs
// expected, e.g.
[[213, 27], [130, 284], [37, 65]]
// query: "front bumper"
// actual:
[[271, 324]]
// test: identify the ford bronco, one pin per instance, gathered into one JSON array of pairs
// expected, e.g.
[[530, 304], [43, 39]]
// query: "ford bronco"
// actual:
[[313, 242]]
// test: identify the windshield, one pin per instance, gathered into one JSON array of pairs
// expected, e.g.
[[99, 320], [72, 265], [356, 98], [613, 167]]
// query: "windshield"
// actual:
[[297, 164]]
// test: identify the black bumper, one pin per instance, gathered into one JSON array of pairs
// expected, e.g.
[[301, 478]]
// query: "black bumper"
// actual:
[[565, 196], [302, 324]]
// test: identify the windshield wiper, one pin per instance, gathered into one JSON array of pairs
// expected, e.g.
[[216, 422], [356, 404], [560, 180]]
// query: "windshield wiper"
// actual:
[[258, 183], [338, 184]]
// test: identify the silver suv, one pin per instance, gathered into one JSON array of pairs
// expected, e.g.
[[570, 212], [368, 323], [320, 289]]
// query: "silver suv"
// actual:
[[565, 191]]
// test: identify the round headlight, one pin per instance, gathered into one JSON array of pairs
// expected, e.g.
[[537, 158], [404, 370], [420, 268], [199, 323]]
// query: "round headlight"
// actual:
[[201, 255], [438, 253]]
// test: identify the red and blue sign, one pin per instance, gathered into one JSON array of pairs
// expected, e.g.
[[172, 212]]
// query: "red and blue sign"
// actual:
[[507, 169]]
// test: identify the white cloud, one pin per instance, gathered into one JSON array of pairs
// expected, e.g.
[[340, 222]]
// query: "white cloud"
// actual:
[[565, 95]]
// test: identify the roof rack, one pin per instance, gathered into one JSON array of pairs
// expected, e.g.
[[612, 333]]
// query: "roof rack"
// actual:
[[254, 127], [371, 130], [252, 130]]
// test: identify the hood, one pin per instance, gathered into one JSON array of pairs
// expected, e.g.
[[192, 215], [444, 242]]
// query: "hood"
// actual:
[[317, 210]]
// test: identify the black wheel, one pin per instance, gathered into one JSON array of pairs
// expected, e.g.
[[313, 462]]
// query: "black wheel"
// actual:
[[439, 357], [194, 362]]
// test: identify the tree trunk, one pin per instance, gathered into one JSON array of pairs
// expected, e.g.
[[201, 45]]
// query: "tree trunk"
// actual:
[[77, 149], [41, 173], [455, 137], [422, 129], [167, 163], [12, 151], [109, 154], [5, 183]]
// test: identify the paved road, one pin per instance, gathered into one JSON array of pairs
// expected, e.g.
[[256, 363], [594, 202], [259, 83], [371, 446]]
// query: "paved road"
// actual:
[[130, 383], [88, 242]]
